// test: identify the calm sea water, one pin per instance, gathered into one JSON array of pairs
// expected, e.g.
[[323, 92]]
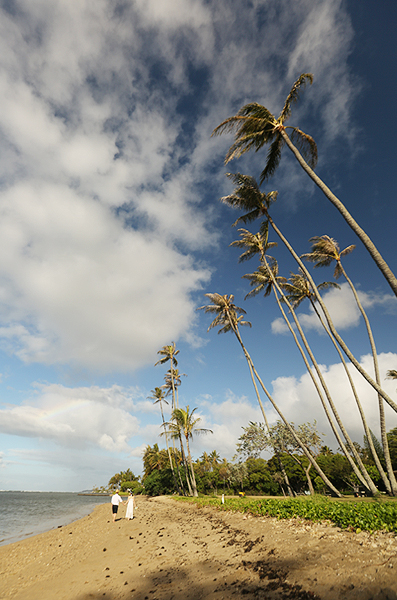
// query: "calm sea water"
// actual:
[[23, 514]]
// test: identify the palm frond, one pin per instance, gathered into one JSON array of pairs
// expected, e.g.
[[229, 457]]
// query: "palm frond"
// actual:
[[262, 279], [253, 125], [273, 158], [328, 284], [293, 96], [254, 243], [348, 250], [306, 146]]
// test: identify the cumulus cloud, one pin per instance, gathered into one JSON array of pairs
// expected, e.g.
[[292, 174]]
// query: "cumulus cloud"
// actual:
[[76, 417], [105, 141], [343, 309], [299, 402], [225, 419]]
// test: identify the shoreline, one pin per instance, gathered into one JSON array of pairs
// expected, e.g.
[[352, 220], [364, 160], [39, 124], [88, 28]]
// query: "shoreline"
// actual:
[[180, 551], [21, 519]]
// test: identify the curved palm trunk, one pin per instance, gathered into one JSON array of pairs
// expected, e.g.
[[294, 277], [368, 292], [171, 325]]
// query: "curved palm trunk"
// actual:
[[336, 335], [276, 452], [309, 481], [382, 419], [366, 240], [290, 429], [361, 473], [359, 405]]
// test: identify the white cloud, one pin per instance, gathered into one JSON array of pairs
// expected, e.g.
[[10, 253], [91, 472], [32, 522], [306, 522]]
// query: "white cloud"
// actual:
[[225, 419], [101, 206], [299, 402], [342, 307], [76, 417]]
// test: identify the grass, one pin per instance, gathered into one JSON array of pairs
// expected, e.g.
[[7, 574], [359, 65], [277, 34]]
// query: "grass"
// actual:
[[352, 514]]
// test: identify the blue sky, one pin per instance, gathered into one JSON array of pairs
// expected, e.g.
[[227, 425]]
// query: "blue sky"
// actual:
[[111, 230]]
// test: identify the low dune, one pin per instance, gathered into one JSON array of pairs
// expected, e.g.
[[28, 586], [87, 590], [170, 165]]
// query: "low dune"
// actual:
[[178, 551]]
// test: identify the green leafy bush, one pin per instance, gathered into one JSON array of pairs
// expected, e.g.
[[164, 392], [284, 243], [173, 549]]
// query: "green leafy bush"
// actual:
[[357, 516]]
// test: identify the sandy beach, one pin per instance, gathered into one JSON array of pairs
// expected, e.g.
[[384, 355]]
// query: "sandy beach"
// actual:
[[174, 550]]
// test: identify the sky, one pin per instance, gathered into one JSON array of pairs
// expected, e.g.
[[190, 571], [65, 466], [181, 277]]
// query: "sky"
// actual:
[[111, 229]]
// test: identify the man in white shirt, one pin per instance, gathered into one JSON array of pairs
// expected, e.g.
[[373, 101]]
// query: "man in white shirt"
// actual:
[[116, 500]]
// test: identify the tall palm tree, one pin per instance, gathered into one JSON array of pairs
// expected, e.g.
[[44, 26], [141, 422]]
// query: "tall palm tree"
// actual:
[[255, 126], [172, 381], [248, 197], [188, 425], [158, 396], [168, 353], [297, 289], [228, 318], [325, 250]]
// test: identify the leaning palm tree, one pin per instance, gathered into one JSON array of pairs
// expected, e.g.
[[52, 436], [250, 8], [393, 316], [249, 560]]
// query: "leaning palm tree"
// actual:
[[325, 250], [228, 317], [248, 197], [296, 290], [255, 126]]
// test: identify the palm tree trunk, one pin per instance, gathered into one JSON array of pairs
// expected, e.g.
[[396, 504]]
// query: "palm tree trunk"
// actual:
[[382, 420], [359, 405], [176, 486], [290, 429], [185, 467], [276, 452], [336, 335], [189, 456], [309, 481], [361, 473], [366, 240]]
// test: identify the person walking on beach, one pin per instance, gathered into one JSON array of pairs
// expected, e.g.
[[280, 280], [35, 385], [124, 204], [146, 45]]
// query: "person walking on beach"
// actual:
[[116, 500], [130, 506]]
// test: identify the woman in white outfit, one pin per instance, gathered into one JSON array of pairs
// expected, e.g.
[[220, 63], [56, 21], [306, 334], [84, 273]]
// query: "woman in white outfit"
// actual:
[[130, 506]]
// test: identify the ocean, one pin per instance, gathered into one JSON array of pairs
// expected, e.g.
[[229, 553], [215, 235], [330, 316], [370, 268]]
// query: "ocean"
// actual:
[[23, 514]]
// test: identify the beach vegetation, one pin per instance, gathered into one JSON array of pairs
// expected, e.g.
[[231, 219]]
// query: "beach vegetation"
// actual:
[[355, 515]]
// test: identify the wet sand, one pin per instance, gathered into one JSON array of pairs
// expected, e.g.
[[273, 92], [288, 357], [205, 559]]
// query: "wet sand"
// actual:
[[178, 551]]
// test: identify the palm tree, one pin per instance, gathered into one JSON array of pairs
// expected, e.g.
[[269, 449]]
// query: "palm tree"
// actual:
[[325, 250], [182, 421], [248, 197], [159, 397], [228, 318], [297, 289], [214, 458], [169, 353], [154, 459], [255, 126]]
